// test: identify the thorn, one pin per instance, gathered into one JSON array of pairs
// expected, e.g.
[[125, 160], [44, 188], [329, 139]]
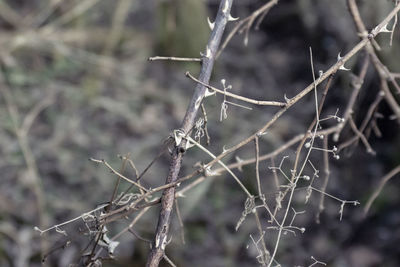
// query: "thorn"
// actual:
[[239, 160], [246, 40], [180, 194], [384, 29], [178, 134], [208, 172], [342, 67], [189, 145], [210, 24], [223, 82], [230, 18], [209, 93], [208, 52], [286, 98], [339, 57]]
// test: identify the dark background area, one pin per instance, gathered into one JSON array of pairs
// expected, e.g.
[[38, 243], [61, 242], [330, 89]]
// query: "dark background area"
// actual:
[[84, 81]]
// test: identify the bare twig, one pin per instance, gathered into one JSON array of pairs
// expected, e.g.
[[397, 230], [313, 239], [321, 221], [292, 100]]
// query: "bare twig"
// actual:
[[378, 190], [242, 98], [9, 15], [169, 261], [265, 255], [364, 124], [203, 110], [180, 220], [224, 166], [120, 14], [246, 23], [75, 12], [187, 59], [296, 174], [361, 136], [44, 13], [357, 84], [275, 175], [35, 181], [34, 112], [394, 26], [327, 172], [382, 70], [258, 166], [118, 174]]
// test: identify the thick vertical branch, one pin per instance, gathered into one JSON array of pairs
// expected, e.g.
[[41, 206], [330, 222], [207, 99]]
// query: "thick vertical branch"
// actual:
[[161, 237]]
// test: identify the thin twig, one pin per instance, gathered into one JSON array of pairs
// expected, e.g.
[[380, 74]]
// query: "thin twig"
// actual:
[[203, 110], [265, 253], [364, 124], [9, 15], [186, 59], [118, 174], [361, 136], [182, 227], [246, 23], [256, 143], [295, 175], [327, 172], [222, 164], [117, 27], [378, 190], [394, 26], [27, 153], [357, 84], [34, 112], [169, 261], [126, 229], [382, 70], [75, 12], [242, 98], [275, 175]]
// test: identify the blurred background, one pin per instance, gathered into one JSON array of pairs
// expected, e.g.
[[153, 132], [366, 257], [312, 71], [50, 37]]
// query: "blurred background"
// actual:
[[75, 83]]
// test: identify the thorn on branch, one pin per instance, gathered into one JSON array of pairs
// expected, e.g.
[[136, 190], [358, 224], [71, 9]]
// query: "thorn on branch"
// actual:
[[210, 24]]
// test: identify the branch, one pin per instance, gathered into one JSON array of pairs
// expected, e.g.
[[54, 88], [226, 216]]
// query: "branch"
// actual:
[[242, 98], [187, 59], [309, 88], [378, 190], [382, 70], [246, 23], [167, 202], [357, 84]]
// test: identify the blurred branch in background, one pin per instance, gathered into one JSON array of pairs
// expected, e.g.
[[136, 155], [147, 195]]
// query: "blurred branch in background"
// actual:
[[21, 126], [9, 15], [75, 84]]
